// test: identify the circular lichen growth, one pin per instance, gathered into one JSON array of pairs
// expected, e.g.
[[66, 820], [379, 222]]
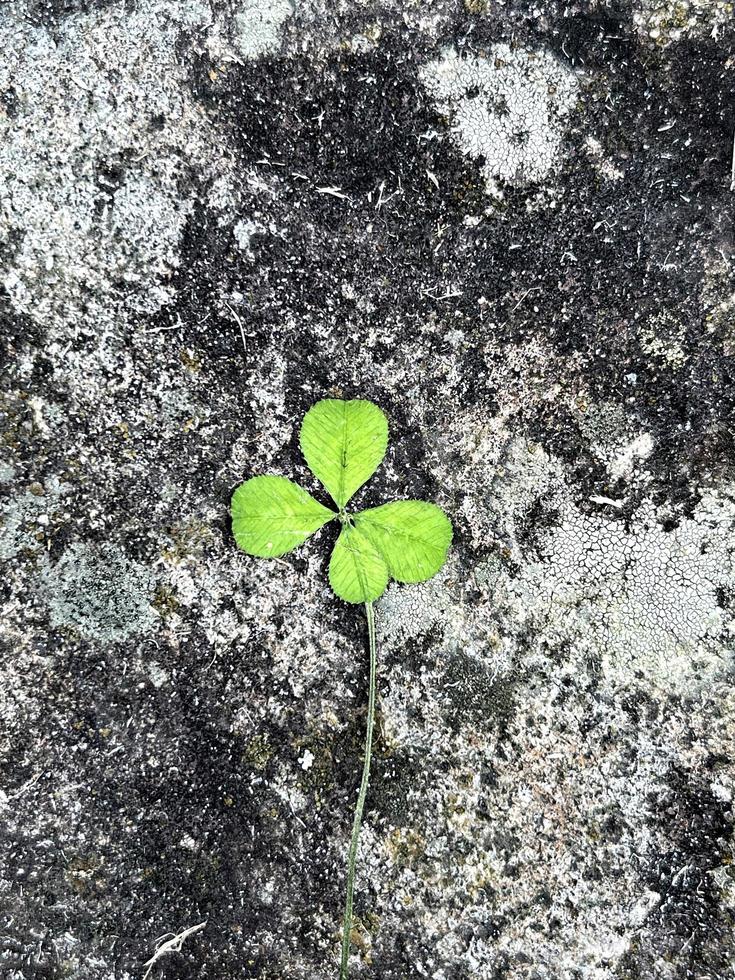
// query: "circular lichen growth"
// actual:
[[100, 593]]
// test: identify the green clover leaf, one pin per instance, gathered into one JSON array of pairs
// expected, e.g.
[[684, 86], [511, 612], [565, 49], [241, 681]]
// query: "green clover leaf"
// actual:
[[343, 443], [358, 572], [271, 516]]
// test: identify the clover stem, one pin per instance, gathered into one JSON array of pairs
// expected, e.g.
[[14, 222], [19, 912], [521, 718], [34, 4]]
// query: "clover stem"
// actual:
[[352, 857]]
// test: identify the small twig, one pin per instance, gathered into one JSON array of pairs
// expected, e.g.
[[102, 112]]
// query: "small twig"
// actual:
[[732, 169], [529, 290], [450, 294], [238, 321], [172, 945], [26, 786], [333, 192], [608, 501], [174, 326]]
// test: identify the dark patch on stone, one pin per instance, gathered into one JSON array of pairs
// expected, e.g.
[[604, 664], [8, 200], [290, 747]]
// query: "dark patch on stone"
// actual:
[[10, 102], [689, 927], [50, 13], [18, 333], [351, 123], [397, 782], [332, 153], [589, 305], [136, 815], [473, 696]]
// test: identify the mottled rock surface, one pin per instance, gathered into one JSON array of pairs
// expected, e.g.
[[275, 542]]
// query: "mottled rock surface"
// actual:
[[509, 224]]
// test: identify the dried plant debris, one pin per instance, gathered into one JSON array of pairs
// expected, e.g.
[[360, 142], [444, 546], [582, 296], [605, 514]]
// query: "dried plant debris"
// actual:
[[509, 225]]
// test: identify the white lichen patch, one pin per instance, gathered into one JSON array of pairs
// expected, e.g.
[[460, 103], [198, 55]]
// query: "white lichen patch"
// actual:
[[604, 166], [26, 518], [253, 30], [516, 474], [19, 523], [507, 109], [633, 596], [637, 597], [98, 592], [718, 300], [640, 598], [633, 452], [243, 231], [408, 613], [606, 428], [558, 773], [258, 25], [91, 206]]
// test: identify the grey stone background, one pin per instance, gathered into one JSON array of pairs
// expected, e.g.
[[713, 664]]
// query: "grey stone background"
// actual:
[[509, 224]]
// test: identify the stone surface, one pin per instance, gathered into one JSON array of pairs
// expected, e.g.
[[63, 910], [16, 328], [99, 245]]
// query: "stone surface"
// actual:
[[511, 226]]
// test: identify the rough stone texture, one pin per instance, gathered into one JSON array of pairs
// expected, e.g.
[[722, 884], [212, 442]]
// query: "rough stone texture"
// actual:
[[509, 224]]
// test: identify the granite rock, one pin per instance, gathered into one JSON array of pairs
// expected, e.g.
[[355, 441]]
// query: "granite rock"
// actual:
[[511, 226]]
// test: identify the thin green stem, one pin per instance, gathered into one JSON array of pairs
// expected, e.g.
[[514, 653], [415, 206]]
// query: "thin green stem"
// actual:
[[352, 857]]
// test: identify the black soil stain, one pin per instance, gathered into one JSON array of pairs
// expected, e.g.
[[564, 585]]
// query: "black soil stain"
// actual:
[[690, 927], [603, 265], [52, 13]]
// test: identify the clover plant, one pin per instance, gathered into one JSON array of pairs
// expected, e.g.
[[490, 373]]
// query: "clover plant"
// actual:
[[344, 442]]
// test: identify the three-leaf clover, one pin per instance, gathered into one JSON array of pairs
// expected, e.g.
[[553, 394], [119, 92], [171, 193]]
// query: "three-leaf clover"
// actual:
[[344, 442]]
